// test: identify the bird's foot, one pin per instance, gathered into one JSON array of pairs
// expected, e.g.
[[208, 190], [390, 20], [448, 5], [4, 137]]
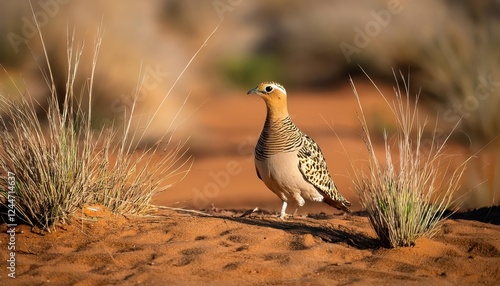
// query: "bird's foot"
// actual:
[[283, 216]]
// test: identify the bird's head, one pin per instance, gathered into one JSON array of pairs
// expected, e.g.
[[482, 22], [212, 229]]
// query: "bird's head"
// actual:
[[274, 94]]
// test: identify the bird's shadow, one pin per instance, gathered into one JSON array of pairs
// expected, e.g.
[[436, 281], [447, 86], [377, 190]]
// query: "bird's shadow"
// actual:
[[327, 233]]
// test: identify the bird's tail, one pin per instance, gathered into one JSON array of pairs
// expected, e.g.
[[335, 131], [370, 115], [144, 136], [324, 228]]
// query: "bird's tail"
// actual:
[[341, 203]]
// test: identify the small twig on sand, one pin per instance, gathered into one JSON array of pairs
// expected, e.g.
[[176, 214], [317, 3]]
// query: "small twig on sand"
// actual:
[[249, 212]]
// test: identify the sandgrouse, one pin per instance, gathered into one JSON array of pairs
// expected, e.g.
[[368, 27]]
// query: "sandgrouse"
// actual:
[[288, 161]]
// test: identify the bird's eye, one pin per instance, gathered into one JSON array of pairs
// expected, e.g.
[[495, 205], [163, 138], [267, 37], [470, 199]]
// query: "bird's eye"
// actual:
[[269, 88]]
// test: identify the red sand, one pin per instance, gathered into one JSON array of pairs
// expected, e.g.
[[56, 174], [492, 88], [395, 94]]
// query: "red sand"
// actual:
[[185, 249]]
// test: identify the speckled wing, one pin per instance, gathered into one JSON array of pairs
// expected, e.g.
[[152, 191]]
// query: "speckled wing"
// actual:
[[312, 165]]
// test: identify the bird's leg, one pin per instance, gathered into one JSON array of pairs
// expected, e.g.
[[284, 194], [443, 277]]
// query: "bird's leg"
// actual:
[[299, 201], [283, 210]]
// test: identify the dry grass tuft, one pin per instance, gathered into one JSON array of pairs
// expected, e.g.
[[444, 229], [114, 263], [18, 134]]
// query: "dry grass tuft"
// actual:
[[61, 164], [406, 197]]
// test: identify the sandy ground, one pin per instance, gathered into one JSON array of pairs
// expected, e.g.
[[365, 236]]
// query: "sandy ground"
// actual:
[[321, 246], [225, 249]]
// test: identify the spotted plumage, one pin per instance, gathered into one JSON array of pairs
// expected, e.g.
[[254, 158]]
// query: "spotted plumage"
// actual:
[[288, 161]]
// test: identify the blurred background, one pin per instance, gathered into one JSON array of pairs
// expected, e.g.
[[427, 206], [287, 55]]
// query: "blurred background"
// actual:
[[450, 50]]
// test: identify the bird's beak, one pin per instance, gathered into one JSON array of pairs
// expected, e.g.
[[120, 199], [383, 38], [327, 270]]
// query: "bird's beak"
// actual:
[[255, 90]]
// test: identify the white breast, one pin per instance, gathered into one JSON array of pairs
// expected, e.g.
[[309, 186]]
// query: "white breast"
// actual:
[[280, 172]]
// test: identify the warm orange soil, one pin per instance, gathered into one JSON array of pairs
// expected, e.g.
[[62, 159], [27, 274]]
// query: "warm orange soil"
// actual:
[[225, 249]]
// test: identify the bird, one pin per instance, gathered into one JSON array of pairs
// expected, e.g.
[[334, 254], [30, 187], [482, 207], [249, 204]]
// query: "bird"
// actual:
[[288, 161]]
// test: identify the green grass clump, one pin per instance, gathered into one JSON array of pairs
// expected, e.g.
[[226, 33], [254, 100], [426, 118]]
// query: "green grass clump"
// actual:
[[61, 164], [246, 71], [407, 197]]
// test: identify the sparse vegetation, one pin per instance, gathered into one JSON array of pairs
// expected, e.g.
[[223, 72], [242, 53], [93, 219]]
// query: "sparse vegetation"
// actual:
[[409, 196], [61, 164]]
